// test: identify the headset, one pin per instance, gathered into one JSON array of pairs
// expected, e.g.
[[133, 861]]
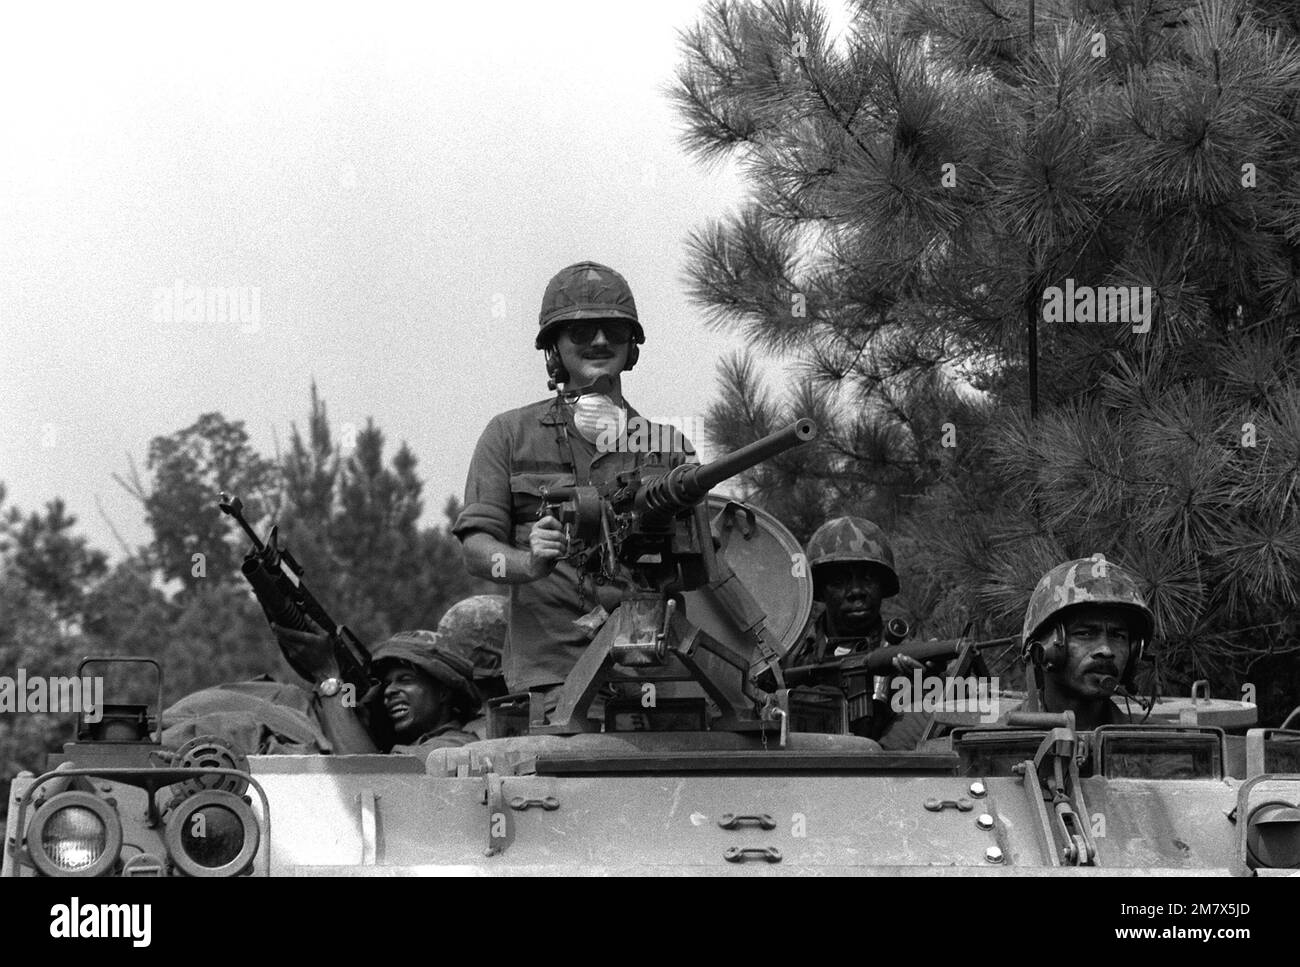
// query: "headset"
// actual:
[[1050, 653]]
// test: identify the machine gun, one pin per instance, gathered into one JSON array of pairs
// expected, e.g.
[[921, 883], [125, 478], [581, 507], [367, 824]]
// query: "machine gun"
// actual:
[[631, 531], [276, 579], [648, 533]]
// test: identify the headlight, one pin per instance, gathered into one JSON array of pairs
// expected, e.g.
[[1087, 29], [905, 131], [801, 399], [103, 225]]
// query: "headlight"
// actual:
[[1273, 836], [212, 833], [74, 834]]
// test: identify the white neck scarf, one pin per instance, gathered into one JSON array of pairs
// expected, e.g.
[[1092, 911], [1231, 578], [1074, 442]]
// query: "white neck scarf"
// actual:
[[596, 415]]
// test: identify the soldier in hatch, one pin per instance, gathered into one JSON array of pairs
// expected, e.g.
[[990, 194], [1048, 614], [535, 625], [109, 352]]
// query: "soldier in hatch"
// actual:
[[476, 628], [590, 334], [852, 567], [1086, 628], [426, 697]]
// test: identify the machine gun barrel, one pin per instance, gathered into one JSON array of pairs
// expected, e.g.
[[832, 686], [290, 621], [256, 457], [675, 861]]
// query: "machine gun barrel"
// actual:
[[690, 483]]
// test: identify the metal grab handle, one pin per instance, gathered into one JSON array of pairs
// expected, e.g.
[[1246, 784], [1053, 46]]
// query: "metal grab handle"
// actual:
[[738, 854], [939, 805], [546, 802], [761, 820]]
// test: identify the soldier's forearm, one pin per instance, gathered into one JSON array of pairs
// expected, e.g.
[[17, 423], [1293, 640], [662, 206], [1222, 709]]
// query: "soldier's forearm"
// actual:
[[342, 726], [487, 557]]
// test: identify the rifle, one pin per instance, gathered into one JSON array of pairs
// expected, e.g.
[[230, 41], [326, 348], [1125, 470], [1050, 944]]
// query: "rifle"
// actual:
[[880, 661], [276, 579]]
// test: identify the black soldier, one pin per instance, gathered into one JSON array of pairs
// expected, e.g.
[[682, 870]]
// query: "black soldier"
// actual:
[[1086, 628], [425, 698], [852, 567]]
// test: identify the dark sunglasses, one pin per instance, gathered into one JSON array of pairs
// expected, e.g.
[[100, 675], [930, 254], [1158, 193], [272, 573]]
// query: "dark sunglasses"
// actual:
[[618, 333]]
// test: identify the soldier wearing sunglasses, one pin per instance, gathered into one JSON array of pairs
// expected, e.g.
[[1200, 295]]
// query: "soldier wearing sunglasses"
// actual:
[[590, 334]]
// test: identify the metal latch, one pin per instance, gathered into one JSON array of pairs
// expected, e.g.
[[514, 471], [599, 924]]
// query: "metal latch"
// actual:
[[546, 802], [939, 805], [761, 820], [1051, 782], [738, 854], [501, 826]]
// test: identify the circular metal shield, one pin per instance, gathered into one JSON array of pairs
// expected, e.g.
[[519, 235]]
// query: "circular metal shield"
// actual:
[[769, 562]]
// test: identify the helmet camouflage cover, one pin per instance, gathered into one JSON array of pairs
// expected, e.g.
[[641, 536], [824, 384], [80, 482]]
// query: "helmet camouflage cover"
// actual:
[[587, 290], [427, 651], [852, 539], [476, 628], [1086, 580]]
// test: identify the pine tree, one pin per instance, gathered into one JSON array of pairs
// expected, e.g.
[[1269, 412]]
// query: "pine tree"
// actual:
[[353, 523], [921, 188]]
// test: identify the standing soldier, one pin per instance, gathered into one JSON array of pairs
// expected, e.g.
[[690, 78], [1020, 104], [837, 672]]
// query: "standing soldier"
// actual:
[[590, 334], [1086, 628]]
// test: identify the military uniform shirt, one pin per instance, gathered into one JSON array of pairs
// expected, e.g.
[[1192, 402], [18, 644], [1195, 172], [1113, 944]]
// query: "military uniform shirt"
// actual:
[[903, 730], [449, 736], [520, 453]]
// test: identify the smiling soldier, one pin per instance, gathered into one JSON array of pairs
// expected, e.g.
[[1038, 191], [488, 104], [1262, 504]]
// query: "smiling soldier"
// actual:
[[425, 698], [590, 333]]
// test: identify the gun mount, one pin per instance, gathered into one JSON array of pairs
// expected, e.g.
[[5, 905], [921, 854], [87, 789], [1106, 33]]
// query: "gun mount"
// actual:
[[650, 535], [638, 531]]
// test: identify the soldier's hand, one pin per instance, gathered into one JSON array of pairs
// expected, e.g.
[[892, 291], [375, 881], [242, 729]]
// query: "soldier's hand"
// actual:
[[906, 664], [547, 544], [309, 652]]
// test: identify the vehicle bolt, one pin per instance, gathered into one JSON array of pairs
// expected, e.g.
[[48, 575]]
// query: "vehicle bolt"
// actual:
[[985, 821], [993, 854], [977, 789]]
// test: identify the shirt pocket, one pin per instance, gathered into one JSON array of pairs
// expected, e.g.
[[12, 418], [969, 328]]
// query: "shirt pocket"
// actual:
[[527, 493]]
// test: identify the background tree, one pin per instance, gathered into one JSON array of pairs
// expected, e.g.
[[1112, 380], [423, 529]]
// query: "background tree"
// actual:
[[47, 558], [352, 520], [188, 470], [918, 186]]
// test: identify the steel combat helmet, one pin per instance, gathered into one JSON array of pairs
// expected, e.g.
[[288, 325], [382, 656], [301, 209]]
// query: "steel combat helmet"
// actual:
[[853, 539], [585, 290], [438, 659], [476, 628], [1086, 580]]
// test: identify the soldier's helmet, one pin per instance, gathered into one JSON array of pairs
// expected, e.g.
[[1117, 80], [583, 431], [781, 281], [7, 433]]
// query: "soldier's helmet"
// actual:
[[853, 539], [476, 628], [1086, 580], [438, 659], [587, 290]]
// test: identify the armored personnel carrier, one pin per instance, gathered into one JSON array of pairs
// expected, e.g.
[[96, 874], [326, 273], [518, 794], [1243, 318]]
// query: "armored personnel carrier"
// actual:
[[677, 746]]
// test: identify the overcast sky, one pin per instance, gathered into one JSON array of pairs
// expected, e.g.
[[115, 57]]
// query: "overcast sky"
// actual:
[[388, 188]]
